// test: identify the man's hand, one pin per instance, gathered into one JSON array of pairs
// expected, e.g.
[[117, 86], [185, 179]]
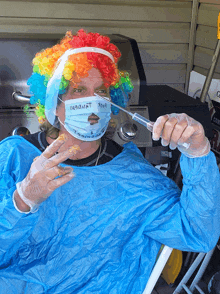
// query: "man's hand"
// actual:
[[183, 132], [45, 175]]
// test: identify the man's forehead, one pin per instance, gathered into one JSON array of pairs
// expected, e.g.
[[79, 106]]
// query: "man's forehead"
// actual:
[[98, 82]]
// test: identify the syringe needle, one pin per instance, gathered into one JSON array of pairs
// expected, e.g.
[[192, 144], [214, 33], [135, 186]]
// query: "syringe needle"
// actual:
[[107, 99]]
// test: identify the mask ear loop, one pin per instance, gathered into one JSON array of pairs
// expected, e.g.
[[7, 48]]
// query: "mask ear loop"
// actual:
[[57, 116], [60, 99], [61, 122]]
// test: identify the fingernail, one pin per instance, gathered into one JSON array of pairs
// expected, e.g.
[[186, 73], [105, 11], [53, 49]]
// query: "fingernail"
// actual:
[[172, 146], [164, 142], [154, 137], [68, 169]]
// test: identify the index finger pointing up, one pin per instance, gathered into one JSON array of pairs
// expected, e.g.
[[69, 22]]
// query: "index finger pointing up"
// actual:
[[55, 146]]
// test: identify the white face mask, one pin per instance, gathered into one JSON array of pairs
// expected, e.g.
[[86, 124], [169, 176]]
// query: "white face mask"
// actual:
[[87, 118]]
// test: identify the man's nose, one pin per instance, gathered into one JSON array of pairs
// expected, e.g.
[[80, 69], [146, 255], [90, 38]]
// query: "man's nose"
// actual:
[[90, 92]]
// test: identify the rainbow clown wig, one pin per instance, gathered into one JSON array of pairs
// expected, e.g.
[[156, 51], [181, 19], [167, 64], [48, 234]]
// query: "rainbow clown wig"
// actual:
[[77, 67]]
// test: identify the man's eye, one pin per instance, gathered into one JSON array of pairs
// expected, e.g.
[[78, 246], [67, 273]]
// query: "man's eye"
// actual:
[[102, 91], [77, 90]]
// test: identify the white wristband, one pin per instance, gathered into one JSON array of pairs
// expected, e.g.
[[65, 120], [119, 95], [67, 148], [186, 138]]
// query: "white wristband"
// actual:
[[34, 207], [15, 205]]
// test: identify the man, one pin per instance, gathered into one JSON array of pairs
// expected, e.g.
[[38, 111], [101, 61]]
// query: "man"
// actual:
[[99, 229]]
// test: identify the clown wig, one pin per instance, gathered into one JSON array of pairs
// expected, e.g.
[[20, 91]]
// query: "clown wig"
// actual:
[[77, 67]]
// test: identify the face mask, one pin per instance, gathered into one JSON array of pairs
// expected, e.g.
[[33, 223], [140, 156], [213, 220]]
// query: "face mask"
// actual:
[[87, 118]]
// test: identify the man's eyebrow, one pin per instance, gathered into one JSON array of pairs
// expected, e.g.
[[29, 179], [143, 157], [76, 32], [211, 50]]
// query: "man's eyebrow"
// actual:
[[78, 86], [102, 86]]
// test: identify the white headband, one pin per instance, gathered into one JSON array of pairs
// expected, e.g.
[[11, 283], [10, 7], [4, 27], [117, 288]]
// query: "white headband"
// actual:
[[54, 83], [90, 49]]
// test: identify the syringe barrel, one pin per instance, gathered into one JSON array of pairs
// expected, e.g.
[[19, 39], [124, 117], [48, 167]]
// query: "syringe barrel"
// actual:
[[143, 121]]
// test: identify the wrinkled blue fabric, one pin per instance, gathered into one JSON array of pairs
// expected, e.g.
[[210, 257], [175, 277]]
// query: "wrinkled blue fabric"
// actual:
[[101, 232]]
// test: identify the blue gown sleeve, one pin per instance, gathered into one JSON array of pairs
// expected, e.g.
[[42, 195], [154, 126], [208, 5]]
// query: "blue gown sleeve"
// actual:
[[190, 220], [15, 227]]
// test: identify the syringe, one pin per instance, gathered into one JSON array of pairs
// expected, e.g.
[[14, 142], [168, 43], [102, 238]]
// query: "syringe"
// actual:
[[137, 117]]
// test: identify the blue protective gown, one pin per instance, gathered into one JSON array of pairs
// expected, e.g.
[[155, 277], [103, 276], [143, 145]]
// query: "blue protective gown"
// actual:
[[101, 232]]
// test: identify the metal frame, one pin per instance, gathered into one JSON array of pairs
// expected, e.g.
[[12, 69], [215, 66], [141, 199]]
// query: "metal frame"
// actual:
[[182, 285]]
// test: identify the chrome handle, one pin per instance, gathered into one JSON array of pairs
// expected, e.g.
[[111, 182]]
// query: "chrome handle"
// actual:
[[17, 95]]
